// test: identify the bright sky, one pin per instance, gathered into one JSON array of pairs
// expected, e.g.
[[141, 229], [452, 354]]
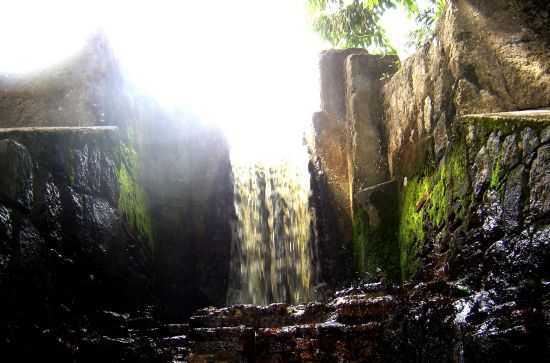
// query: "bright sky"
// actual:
[[249, 66]]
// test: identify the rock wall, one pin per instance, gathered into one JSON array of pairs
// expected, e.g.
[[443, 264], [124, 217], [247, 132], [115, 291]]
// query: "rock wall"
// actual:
[[174, 177], [85, 90], [485, 57], [188, 178], [66, 249], [378, 130], [465, 180], [350, 177]]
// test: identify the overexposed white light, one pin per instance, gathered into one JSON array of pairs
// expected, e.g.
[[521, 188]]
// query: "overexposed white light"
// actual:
[[398, 25], [249, 66], [35, 35]]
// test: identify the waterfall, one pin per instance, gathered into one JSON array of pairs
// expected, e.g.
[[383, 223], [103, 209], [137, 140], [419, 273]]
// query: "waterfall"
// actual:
[[272, 249]]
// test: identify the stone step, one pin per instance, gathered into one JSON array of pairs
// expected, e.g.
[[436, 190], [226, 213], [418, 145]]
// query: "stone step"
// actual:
[[142, 322], [175, 341], [310, 342], [523, 116], [347, 329], [361, 308], [374, 289], [274, 315], [174, 329], [180, 358], [319, 342], [227, 339], [148, 332]]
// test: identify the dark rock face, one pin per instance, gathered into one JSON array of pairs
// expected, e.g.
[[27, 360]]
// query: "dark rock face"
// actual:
[[187, 176], [65, 250], [494, 250], [176, 178], [334, 256], [17, 174], [539, 180]]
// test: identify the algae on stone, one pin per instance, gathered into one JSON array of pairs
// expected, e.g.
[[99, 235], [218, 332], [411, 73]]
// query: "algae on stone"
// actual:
[[426, 202], [375, 239], [132, 200]]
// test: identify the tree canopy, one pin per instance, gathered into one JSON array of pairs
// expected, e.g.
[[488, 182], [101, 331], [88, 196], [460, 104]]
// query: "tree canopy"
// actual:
[[356, 23]]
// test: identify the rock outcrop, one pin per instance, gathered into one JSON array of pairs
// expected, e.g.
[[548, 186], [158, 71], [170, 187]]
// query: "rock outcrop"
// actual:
[[179, 189], [104, 218], [380, 131], [66, 248], [348, 157], [465, 180]]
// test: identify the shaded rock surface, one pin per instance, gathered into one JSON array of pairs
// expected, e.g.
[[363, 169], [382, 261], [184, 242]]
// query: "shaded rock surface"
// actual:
[[348, 328], [428, 322], [66, 250], [177, 185]]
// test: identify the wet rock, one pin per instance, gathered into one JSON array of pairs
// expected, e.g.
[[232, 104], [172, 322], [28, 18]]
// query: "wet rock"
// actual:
[[47, 211], [6, 226], [175, 329], [30, 243], [481, 171], [361, 309], [531, 255], [529, 141], [539, 183], [109, 184], [482, 167], [94, 218], [6, 234], [512, 203], [498, 251], [102, 219], [545, 135], [88, 169], [490, 213], [510, 153], [373, 289], [16, 179]]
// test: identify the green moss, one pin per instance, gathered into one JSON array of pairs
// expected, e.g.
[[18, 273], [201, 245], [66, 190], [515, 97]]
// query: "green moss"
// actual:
[[495, 174], [132, 200], [411, 222], [375, 243], [426, 204], [438, 198]]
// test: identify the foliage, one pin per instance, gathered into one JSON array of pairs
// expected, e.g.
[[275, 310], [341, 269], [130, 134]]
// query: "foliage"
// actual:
[[425, 23], [356, 23]]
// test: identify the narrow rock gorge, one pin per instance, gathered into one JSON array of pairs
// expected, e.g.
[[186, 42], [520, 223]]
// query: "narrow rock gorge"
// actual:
[[415, 227]]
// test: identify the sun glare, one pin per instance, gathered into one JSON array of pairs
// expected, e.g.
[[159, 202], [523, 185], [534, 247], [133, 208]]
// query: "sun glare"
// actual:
[[248, 66]]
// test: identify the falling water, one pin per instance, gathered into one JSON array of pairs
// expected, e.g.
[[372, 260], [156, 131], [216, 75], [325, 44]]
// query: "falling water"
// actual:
[[272, 251]]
